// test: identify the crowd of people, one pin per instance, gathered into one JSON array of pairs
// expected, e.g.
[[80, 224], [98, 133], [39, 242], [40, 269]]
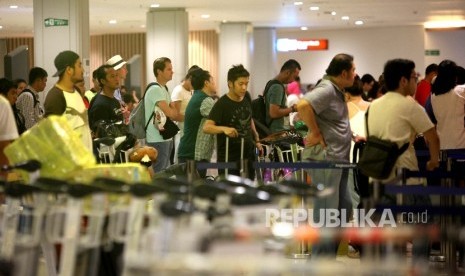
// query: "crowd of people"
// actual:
[[400, 108]]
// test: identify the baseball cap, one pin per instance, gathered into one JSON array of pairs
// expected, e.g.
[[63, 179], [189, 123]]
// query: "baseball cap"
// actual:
[[63, 60], [116, 62]]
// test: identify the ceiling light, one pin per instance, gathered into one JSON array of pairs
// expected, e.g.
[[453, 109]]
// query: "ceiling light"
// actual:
[[304, 28], [13, 7], [314, 8], [345, 17], [205, 16], [1, 27], [113, 21], [445, 24], [142, 26], [333, 13], [298, 3], [359, 22], [155, 5]]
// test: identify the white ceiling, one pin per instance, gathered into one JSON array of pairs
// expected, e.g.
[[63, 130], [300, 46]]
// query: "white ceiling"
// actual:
[[131, 14]]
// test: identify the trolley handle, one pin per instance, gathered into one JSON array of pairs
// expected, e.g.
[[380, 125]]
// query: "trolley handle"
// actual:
[[29, 166]]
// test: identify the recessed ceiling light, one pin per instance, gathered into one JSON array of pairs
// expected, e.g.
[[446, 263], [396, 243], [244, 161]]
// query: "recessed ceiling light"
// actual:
[[205, 16], [1, 27], [314, 8], [113, 21], [304, 28], [359, 22], [298, 3], [333, 13], [142, 26], [224, 21], [345, 17], [155, 5], [13, 7]]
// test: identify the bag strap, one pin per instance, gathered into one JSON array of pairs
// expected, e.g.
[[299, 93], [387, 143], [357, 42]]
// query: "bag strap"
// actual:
[[143, 98], [401, 149], [267, 87]]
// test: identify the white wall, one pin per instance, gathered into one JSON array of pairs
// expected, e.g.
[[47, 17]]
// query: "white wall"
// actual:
[[451, 45], [371, 48]]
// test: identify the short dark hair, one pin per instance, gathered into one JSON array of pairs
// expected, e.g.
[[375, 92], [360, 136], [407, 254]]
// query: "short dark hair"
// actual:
[[18, 81], [94, 73], [460, 75], [339, 63], [199, 77], [237, 71], [433, 67], [36, 73], [5, 86], [102, 73], [160, 64], [128, 98], [367, 78], [446, 78], [394, 70], [290, 65], [189, 72]]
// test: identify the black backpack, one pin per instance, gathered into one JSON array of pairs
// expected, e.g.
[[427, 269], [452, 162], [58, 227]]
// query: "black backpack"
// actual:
[[259, 111]]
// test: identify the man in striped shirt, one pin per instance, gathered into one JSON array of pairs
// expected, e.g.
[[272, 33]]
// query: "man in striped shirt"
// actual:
[[28, 101]]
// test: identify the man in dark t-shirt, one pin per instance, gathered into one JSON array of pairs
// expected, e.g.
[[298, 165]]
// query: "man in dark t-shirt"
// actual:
[[104, 106], [231, 117]]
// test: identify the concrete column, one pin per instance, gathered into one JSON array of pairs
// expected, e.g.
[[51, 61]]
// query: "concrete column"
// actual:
[[69, 30], [235, 47], [265, 60], [168, 36]]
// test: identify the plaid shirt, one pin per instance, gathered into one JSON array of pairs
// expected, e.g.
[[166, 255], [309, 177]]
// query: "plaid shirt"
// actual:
[[205, 143], [26, 104]]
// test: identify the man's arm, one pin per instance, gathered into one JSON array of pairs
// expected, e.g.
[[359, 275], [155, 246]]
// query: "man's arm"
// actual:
[[307, 114], [277, 112], [168, 110], [432, 139], [211, 128], [177, 105]]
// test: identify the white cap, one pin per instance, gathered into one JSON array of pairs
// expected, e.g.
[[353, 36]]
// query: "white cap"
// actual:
[[116, 62]]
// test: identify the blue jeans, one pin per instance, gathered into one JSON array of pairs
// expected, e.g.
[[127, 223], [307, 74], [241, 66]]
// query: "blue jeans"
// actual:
[[164, 151]]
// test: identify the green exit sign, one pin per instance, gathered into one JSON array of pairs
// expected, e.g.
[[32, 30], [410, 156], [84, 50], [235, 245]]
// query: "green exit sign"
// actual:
[[432, 52], [53, 22]]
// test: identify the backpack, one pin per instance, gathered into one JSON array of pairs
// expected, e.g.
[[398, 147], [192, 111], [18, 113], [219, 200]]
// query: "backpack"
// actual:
[[36, 101], [259, 111], [137, 125]]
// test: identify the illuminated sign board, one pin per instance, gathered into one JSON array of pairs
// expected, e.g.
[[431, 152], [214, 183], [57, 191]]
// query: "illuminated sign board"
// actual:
[[286, 44]]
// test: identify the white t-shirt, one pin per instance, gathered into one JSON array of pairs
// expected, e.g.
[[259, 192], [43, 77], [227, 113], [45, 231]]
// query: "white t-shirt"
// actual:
[[181, 94], [449, 110], [8, 131], [397, 118], [76, 115]]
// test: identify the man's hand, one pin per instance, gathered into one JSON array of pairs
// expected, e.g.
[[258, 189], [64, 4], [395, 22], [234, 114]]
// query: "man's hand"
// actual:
[[313, 139], [432, 165], [230, 132]]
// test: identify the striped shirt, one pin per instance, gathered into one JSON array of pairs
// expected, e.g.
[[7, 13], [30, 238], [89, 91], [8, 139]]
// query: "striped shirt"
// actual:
[[29, 106]]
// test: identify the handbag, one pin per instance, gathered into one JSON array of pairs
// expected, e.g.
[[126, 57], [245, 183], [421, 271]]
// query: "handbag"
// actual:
[[169, 129], [379, 156]]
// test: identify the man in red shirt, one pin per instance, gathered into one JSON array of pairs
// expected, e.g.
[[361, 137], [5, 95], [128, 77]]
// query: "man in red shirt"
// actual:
[[424, 86]]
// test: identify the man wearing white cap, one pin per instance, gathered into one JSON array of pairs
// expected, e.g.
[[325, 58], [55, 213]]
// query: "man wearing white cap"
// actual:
[[119, 64]]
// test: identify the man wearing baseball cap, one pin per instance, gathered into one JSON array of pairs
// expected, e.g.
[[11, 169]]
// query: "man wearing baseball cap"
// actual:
[[64, 100]]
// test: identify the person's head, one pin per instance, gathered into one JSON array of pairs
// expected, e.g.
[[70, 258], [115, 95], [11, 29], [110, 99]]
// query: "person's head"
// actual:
[[129, 100], [202, 80], [356, 88], [238, 80], [367, 82], [431, 71], [95, 83], [289, 71], [8, 90], [400, 76], [119, 64], [69, 67], [446, 78], [21, 84], [38, 78], [163, 69], [108, 78], [123, 89], [342, 67]]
